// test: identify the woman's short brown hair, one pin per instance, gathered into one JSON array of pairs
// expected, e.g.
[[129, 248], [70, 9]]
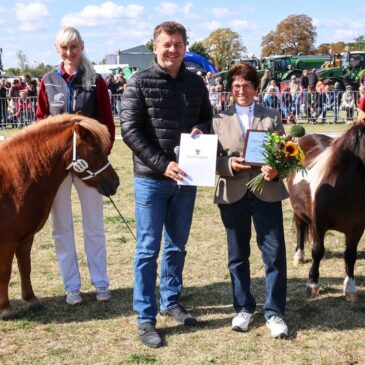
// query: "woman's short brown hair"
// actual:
[[244, 70]]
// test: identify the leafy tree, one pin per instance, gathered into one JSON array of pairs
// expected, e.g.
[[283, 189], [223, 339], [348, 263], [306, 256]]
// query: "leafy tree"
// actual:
[[332, 48], [358, 44], [224, 45], [40, 70], [199, 48], [294, 34], [149, 45], [12, 71], [22, 59], [37, 72], [324, 48], [269, 44]]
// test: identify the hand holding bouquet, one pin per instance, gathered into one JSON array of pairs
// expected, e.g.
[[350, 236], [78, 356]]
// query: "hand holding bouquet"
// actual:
[[281, 153]]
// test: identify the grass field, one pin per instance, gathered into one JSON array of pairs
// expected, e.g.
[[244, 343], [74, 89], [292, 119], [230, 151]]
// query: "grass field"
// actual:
[[325, 330]]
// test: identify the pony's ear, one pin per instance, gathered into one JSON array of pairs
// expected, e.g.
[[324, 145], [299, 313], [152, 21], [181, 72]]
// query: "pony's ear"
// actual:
[[83, 132]]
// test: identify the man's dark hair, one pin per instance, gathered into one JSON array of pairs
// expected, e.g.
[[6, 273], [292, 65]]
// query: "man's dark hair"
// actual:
[[245, 71], [170, 27]]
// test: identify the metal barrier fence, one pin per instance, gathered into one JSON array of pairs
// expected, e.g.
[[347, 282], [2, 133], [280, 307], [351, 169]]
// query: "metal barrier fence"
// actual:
[[17, 112], [306, 106], [314, 107], [311, 107]]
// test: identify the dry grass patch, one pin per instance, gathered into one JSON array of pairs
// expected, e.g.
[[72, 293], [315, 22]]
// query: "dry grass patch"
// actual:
[[325, 330]]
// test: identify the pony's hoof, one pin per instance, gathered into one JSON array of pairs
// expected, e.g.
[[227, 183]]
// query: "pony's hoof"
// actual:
[[297, 261], [8, 314], [312, 291], [33, 303], [351, 297]]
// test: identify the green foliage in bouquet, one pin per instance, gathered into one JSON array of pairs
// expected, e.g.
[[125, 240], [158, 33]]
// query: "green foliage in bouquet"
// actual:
[[281, 153]]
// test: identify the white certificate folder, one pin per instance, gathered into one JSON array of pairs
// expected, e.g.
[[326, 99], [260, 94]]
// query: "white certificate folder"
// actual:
[[197, 158]]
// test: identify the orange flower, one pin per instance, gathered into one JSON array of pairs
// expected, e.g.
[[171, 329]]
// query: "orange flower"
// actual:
[[290, 149]]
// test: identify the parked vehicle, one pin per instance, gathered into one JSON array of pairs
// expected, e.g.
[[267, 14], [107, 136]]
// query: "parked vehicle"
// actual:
[[253, 61], [283, 67], [349, 70]]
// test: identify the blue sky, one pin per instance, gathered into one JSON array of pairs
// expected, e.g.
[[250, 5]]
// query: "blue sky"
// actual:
[[106, 26]]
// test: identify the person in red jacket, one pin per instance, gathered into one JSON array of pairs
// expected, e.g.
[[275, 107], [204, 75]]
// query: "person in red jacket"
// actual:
[[75, 88], [25, 109], [361, 110]]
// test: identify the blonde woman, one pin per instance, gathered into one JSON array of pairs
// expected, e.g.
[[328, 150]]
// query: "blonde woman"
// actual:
[[74, 87]]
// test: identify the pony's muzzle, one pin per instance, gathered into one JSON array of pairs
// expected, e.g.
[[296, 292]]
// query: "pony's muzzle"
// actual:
[[109, 187]]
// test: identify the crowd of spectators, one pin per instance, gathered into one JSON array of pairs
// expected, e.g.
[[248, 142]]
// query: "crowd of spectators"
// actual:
[[18, 100], [311, 98], [307, 98]]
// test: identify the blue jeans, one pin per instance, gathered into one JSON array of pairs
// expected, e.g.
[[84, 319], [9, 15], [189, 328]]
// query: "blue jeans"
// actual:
[[335, 113], [161, 206], [268, 222]]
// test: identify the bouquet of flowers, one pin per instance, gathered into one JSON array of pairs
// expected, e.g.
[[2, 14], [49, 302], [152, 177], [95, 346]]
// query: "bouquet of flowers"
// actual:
[[282, 153]]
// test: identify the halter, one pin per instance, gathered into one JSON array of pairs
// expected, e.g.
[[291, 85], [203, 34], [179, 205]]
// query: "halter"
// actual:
[[80, 165]]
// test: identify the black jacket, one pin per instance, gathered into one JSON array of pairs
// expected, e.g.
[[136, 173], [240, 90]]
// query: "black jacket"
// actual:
[[156, 109]]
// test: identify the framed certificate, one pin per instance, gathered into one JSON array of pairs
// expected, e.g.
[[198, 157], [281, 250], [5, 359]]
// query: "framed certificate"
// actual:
[[253, 152]]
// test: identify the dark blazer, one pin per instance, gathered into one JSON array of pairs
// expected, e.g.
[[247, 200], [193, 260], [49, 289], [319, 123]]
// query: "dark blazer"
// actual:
[[231, 186]]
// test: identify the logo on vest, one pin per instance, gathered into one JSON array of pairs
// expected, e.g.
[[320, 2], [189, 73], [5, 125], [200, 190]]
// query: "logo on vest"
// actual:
[[58, 100]]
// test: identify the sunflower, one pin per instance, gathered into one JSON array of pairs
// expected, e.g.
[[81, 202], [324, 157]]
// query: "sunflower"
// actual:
[[290, 149]]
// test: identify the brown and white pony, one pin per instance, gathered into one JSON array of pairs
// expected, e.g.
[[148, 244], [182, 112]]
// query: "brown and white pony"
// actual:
[[33, 163], [331, 196]]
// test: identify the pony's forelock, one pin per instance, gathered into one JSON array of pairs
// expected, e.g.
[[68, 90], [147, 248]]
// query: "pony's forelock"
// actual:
[[99, 131]]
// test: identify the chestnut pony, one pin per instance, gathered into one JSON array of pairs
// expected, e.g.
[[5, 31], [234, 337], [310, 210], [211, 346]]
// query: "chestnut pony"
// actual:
[[331, 196], [33, 164]]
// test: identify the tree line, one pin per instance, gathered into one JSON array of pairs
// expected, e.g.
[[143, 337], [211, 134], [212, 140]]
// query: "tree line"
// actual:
[[295, 34]]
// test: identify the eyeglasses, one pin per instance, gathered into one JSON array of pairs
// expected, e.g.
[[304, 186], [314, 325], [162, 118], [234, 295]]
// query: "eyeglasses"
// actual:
[[237, 87]]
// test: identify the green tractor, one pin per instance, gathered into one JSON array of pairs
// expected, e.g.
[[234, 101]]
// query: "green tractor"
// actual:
[[283, 67], [253, 61], [349, 70]]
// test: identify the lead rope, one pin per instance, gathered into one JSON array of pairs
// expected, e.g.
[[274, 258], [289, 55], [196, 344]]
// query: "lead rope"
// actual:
[[121, 216], [125, 222]]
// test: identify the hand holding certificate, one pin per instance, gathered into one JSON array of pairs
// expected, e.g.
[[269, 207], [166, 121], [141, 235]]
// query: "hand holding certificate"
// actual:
[[197, 158]]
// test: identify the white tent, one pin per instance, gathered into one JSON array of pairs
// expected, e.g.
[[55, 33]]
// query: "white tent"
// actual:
[[106, 70]]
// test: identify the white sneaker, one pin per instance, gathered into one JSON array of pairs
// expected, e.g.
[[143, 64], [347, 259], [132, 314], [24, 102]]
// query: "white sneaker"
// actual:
[[74, 297], [103, 294], [277, 327], [241, 321]]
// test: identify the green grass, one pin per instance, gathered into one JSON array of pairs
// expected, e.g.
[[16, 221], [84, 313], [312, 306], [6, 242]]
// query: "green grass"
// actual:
[[325, 330]]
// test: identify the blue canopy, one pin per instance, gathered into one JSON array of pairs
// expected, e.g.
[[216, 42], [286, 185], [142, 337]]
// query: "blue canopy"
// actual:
[[195, 62]]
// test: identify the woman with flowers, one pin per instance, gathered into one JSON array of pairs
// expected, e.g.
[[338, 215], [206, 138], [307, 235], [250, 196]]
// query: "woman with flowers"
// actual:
[[239, 205]]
